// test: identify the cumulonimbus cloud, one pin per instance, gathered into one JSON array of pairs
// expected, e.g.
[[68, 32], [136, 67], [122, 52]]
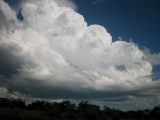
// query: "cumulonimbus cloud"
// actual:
[[153, 58], [54, 46]]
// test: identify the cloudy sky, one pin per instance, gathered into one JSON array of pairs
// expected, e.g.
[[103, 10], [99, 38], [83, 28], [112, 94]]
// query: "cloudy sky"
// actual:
[[103, 51]]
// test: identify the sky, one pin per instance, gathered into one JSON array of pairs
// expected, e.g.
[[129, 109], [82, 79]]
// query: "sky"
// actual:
[[130, 19], [103, 51]]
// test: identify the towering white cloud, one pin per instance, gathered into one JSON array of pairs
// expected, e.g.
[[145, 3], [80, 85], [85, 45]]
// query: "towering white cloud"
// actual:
[[54, 46], [153, 58], [67, 3]]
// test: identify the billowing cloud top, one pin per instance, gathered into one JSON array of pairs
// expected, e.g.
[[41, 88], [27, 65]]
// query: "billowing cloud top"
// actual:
[[53, 51]]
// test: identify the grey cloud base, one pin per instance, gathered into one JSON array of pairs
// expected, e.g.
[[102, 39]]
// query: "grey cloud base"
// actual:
[[53, 54]]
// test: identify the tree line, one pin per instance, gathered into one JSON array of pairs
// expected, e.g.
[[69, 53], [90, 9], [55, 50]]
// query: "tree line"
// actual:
[[17, 109]]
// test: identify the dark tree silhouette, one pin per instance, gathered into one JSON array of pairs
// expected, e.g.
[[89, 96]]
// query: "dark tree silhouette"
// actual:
[[43, 110]]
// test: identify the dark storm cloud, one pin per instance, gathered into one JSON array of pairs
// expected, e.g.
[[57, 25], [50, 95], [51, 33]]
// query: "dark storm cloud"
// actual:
[[9, 63]]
